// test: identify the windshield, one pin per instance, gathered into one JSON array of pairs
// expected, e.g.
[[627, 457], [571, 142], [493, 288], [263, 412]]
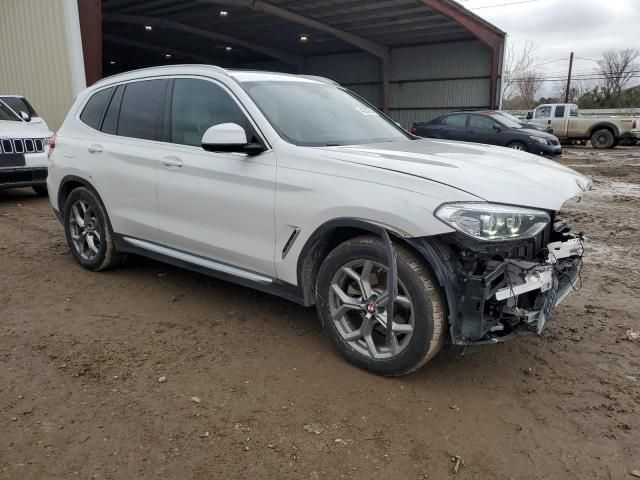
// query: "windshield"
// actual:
[[7, 114], [317, 114], [509, 120]]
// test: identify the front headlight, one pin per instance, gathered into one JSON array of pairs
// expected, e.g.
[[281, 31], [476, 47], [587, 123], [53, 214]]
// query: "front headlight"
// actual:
[[541, 140], [493, 222]]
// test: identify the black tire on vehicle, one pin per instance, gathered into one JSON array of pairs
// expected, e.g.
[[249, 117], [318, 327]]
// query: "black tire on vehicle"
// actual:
[[420, 307], [88, 231], [602, 139], [41, 190], [518, 146]]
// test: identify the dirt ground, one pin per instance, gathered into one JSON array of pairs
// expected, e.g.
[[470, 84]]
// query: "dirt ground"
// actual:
[[254, 390]]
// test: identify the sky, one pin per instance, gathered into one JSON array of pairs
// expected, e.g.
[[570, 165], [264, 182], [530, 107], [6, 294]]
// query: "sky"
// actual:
[[557, 27]]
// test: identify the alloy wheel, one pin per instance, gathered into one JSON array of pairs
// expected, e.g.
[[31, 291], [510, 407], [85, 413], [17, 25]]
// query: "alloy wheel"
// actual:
[[84, 228], [358, 300]]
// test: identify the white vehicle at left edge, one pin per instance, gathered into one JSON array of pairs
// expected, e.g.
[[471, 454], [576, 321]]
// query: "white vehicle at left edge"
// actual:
[[23, 152]]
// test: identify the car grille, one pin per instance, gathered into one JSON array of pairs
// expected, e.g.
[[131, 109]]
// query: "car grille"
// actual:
[[23, 145]]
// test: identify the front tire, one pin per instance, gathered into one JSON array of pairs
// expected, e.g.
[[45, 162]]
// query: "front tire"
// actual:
[[518, 146], [88, 231], [351, 297], [602, 139]]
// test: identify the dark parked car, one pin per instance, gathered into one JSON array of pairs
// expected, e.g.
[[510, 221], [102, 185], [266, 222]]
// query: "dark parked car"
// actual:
[[491, 128]]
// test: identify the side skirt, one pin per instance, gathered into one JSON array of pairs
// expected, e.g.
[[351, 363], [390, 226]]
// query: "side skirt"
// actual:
[[206, 266]]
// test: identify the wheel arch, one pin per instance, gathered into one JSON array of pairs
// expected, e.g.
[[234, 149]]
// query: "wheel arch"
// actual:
[[605, 126], [67, 185], [331, 234]]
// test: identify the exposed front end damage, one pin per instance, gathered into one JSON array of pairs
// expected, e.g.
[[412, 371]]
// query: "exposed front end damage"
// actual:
[[495, 291]]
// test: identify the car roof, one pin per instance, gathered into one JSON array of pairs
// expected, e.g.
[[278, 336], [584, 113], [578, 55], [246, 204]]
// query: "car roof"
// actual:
[[195, 69]]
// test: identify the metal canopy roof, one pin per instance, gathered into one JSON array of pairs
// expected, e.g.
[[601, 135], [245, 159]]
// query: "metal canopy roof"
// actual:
[[256, 30]]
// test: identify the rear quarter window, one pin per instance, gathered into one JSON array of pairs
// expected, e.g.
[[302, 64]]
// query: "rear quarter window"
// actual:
[[94, 109]]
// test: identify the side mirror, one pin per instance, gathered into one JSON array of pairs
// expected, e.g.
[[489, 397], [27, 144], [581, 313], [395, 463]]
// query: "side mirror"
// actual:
[[497, 128], [25, 116], [529, 115], [229, 137]]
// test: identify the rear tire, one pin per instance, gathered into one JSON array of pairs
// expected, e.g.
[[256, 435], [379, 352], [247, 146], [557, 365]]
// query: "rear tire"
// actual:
[[601, 139], [518, 146], [41, 190], [356, 323], [88, 231]]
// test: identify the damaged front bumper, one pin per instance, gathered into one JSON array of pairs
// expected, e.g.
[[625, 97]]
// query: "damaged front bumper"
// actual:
[[496, 292]]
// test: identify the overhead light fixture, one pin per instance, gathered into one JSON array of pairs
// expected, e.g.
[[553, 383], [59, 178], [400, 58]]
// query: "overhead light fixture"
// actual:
[[223, 13], [228, 48], [304, 38], [148, 28], [112, 62], [167, 55]]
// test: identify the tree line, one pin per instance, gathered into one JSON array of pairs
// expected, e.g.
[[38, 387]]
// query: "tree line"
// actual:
[[607, 86]]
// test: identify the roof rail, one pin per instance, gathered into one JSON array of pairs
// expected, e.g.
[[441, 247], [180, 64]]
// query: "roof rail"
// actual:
[[161, 67]]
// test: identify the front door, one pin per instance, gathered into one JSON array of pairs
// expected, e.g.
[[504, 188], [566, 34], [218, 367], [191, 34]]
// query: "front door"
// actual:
[[483, 129], [559, 120], [216, 205]]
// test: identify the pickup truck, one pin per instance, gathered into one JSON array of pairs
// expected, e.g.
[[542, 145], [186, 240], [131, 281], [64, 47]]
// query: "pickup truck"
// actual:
[[569, 126]]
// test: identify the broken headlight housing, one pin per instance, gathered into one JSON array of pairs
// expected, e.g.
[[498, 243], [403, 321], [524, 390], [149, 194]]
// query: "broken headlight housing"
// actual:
[[493, 222]]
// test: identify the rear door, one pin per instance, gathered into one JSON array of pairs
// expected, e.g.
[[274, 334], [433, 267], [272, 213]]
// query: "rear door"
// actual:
[[559, 118], [124, 155], [455, 127], [217, 205], [483, 129]]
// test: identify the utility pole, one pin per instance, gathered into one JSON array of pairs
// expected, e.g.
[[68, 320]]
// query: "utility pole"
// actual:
[[566, 95]]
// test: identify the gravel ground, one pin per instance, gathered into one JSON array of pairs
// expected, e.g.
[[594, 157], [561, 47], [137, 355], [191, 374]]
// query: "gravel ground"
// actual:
[[252, 388]]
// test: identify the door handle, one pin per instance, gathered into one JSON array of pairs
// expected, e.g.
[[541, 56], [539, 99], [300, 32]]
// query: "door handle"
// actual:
[[172, 162], [95, 148]]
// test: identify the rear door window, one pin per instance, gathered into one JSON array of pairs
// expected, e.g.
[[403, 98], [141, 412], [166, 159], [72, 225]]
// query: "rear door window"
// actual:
[[559, 113], [94, 109], [141, 108]]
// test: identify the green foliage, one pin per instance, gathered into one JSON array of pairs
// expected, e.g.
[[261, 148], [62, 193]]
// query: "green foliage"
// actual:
[[601, 97]]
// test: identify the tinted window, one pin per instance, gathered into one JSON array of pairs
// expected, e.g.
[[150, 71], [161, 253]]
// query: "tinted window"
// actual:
[[19, 104], [110, 122], [559, 113], [7, 114], [543, 112], [141, 105], [93, 110], [480, 122], [197, 105], [455, 120]]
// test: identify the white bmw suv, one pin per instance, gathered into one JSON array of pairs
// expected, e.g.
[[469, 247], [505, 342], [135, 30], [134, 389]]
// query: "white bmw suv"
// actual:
[[298, 187]]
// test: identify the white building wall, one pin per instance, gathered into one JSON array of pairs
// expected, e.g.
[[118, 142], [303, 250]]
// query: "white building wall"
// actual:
[[41, 54]]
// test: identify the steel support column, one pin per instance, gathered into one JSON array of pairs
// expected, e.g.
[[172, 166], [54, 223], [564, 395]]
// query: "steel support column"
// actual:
[[90, 13]]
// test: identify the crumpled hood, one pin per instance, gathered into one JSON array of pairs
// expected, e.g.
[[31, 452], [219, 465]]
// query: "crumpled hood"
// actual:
[[494, 174], [11, 129]]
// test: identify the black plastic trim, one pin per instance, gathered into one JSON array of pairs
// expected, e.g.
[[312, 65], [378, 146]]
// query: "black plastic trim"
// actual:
[[276, 287]]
